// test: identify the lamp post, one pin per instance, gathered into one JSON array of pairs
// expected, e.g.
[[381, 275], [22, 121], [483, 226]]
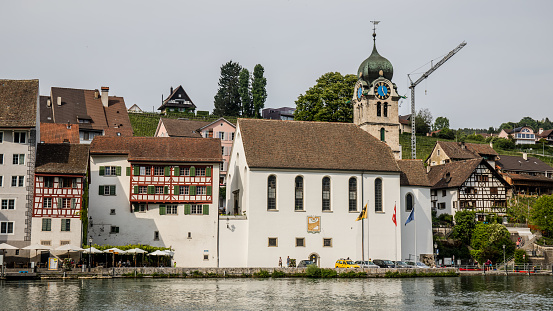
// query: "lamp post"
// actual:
[[504, 267], [436, 253], [89, 252]]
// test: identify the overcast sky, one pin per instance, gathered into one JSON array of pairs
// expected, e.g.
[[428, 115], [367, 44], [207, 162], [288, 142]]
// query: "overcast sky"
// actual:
[[142, 48]]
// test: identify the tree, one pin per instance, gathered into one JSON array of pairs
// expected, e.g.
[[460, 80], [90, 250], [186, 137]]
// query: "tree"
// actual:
[[464, 225], [245, 93], [518, 208], [527, 121], [440, 124], [487, 242], [227, 100], [542, 213], [423, 121], [446, 134], [259, 91], [328, 100]]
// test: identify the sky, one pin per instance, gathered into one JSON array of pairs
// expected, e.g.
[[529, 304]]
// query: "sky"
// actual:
[[139, 49]]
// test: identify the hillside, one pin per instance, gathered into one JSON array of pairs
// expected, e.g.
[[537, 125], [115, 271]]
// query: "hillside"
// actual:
[[145, 124]]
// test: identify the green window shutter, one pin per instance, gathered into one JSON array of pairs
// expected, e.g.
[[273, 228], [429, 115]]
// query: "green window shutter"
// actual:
[[165, 189], [128, 171], [151, 190], [192, 171], [46, 224], [21, 159], [162, 209], [118, 170], [102, 170], [176, 190], [136, 170], [167, 171], [208, 171], [177, 171], [59, 203], [116, 229], [73, 203], [192, 190], [112, 190], [206, 209], [135, 189], [100, 190], [208, 190], [63, 225], [136, 207], [186, 209]]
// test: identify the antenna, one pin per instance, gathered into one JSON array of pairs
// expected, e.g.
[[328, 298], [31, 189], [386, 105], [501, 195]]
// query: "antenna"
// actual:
[[374, 28]]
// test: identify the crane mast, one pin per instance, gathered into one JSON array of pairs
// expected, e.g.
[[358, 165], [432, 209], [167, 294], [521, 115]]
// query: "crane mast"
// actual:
[[412, 87]]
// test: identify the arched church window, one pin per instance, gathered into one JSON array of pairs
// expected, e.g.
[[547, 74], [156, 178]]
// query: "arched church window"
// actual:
[[386, 110], [378, 195], [326, 194], [409, 202], [271, 193], [378, 109], [382, 134], [352, 194], [299, 193]]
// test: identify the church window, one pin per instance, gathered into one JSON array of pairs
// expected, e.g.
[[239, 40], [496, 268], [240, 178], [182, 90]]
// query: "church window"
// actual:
[[271, 193], [378, 195], [409, 202], [326, 194], [299, 193], [386, 110], [378, 109], [352, 194], [382, 134]]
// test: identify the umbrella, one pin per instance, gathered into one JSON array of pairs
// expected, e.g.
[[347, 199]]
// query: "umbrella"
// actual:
[[69, 248], [135, 251], [168, 252], [5, 246], [158, 253], [114, 251], [93, 250], [37, 247]]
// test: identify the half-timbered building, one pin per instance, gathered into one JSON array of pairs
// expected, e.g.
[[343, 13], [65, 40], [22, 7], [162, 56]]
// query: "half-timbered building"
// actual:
[[60, 182], [160, 191], [468, 185]]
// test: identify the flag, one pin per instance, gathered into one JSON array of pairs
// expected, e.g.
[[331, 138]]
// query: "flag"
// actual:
[[411, 216], [394, 216], [363, 214]]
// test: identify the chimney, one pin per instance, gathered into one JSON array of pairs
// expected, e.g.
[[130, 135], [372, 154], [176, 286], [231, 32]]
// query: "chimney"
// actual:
[[59, 100], [540, 131], [171, 90], [525, 156], [463, 145], [491, 144], [105, 91], [48, 103], [96, 94]]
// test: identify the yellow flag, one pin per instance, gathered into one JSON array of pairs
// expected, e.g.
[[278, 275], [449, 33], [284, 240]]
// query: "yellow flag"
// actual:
[[363, 214]]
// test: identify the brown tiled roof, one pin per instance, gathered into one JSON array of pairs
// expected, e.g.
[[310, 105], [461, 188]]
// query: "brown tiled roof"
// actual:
[[183, 128], [160, 149], [18, 100], [217, 121], [518, 164], [313, 145], [62, 159], [455, 150], [82, 104], [527, 178], [413, 173], [545, 133], [452, 174], [52, 133]]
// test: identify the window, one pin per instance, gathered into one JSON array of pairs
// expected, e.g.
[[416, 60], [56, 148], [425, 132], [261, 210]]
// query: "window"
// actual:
[[273, 242], [67, 203], [441, 205], [206, 256], [1, 137], [189, 235], [107, 190], [19, 137], [493, 190], [159, 190], [68, 182], [156, 235], [378, 109], [186, 171], [271, 192], [408, 202], [232, 136], [46, 224], [142, 189], [326, 194], [438, 151], [139, 207], [171, 210], [47, 203], [299, 193], [200, 172], [19, 159], [66, 225], [327, 242], [300, 242], [142, 171], [6, 227], [184, 190], [158, 171], [49, 182], [444, 193], [46, 243], [221, 135], [201, 190], [378, 195], [8, 204], [114, 229], [196, 209], [18, 181], [111, 171], [352, 194], [64, 242], [386, 110], [382, 134], [1, 158]]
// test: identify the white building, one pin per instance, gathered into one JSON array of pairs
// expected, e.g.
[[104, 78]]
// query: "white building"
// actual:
[[159, 191], [296, 189]]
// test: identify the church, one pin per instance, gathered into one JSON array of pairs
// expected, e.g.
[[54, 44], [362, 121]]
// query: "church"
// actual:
[[298, 189]]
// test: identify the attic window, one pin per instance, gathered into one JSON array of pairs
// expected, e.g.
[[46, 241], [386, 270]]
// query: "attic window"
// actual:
[[118, 134], [180, 95], [117, 111]]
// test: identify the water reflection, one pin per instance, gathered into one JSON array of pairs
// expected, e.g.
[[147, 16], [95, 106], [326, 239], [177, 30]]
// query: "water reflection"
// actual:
[[463, 293]]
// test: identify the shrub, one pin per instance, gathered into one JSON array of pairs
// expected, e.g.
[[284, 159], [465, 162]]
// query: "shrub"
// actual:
[[278, 274], [197, 274], [262, 274], [313, 271], [328, 273], [519, 256]]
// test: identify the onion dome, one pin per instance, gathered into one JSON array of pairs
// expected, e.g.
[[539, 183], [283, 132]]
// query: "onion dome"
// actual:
[[375, 66]]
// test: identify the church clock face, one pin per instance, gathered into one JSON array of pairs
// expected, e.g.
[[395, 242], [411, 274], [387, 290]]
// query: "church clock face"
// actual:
[[359, 92], [382, 90]]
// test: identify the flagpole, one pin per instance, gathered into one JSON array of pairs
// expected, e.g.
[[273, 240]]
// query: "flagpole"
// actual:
[[362, 238], [415, 220], [395, 229]]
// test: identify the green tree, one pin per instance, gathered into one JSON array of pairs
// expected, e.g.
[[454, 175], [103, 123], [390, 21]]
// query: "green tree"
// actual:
[[487, 242], [259, 91], [446, 134], [518, 208], [328, 100], [440, 124], [227, 100], [527, 121], [541, 213], [245, 93], [423, 121], [464, 225]]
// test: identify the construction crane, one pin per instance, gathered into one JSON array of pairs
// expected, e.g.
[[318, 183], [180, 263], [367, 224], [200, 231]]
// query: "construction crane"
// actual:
[[412, 87]]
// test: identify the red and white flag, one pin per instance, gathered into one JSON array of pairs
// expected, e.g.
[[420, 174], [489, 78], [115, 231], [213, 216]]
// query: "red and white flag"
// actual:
[[394, 216]]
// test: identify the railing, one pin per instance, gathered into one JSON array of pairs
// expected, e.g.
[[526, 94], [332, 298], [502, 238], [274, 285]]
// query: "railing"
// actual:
[[508, 268]]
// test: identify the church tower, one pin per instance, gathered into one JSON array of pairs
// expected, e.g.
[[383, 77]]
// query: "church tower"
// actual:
[[375, 100]]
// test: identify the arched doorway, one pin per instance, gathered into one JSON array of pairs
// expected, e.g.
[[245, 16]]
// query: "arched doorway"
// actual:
[[315, 258]]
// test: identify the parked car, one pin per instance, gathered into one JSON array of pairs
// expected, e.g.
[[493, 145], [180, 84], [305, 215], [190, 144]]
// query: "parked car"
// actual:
[[417, 264], [366, 264], [344, 263], [382, 263], [305, 263], [403, 264]]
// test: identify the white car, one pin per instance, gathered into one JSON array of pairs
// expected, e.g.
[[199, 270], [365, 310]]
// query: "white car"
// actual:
[[366, 264], [417, 264]]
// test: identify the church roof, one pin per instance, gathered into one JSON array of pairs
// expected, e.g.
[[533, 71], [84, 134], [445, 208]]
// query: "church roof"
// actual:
[[413, 173], [313, 145]]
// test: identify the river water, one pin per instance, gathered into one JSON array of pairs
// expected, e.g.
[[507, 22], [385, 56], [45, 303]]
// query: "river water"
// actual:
[[451, 293]]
